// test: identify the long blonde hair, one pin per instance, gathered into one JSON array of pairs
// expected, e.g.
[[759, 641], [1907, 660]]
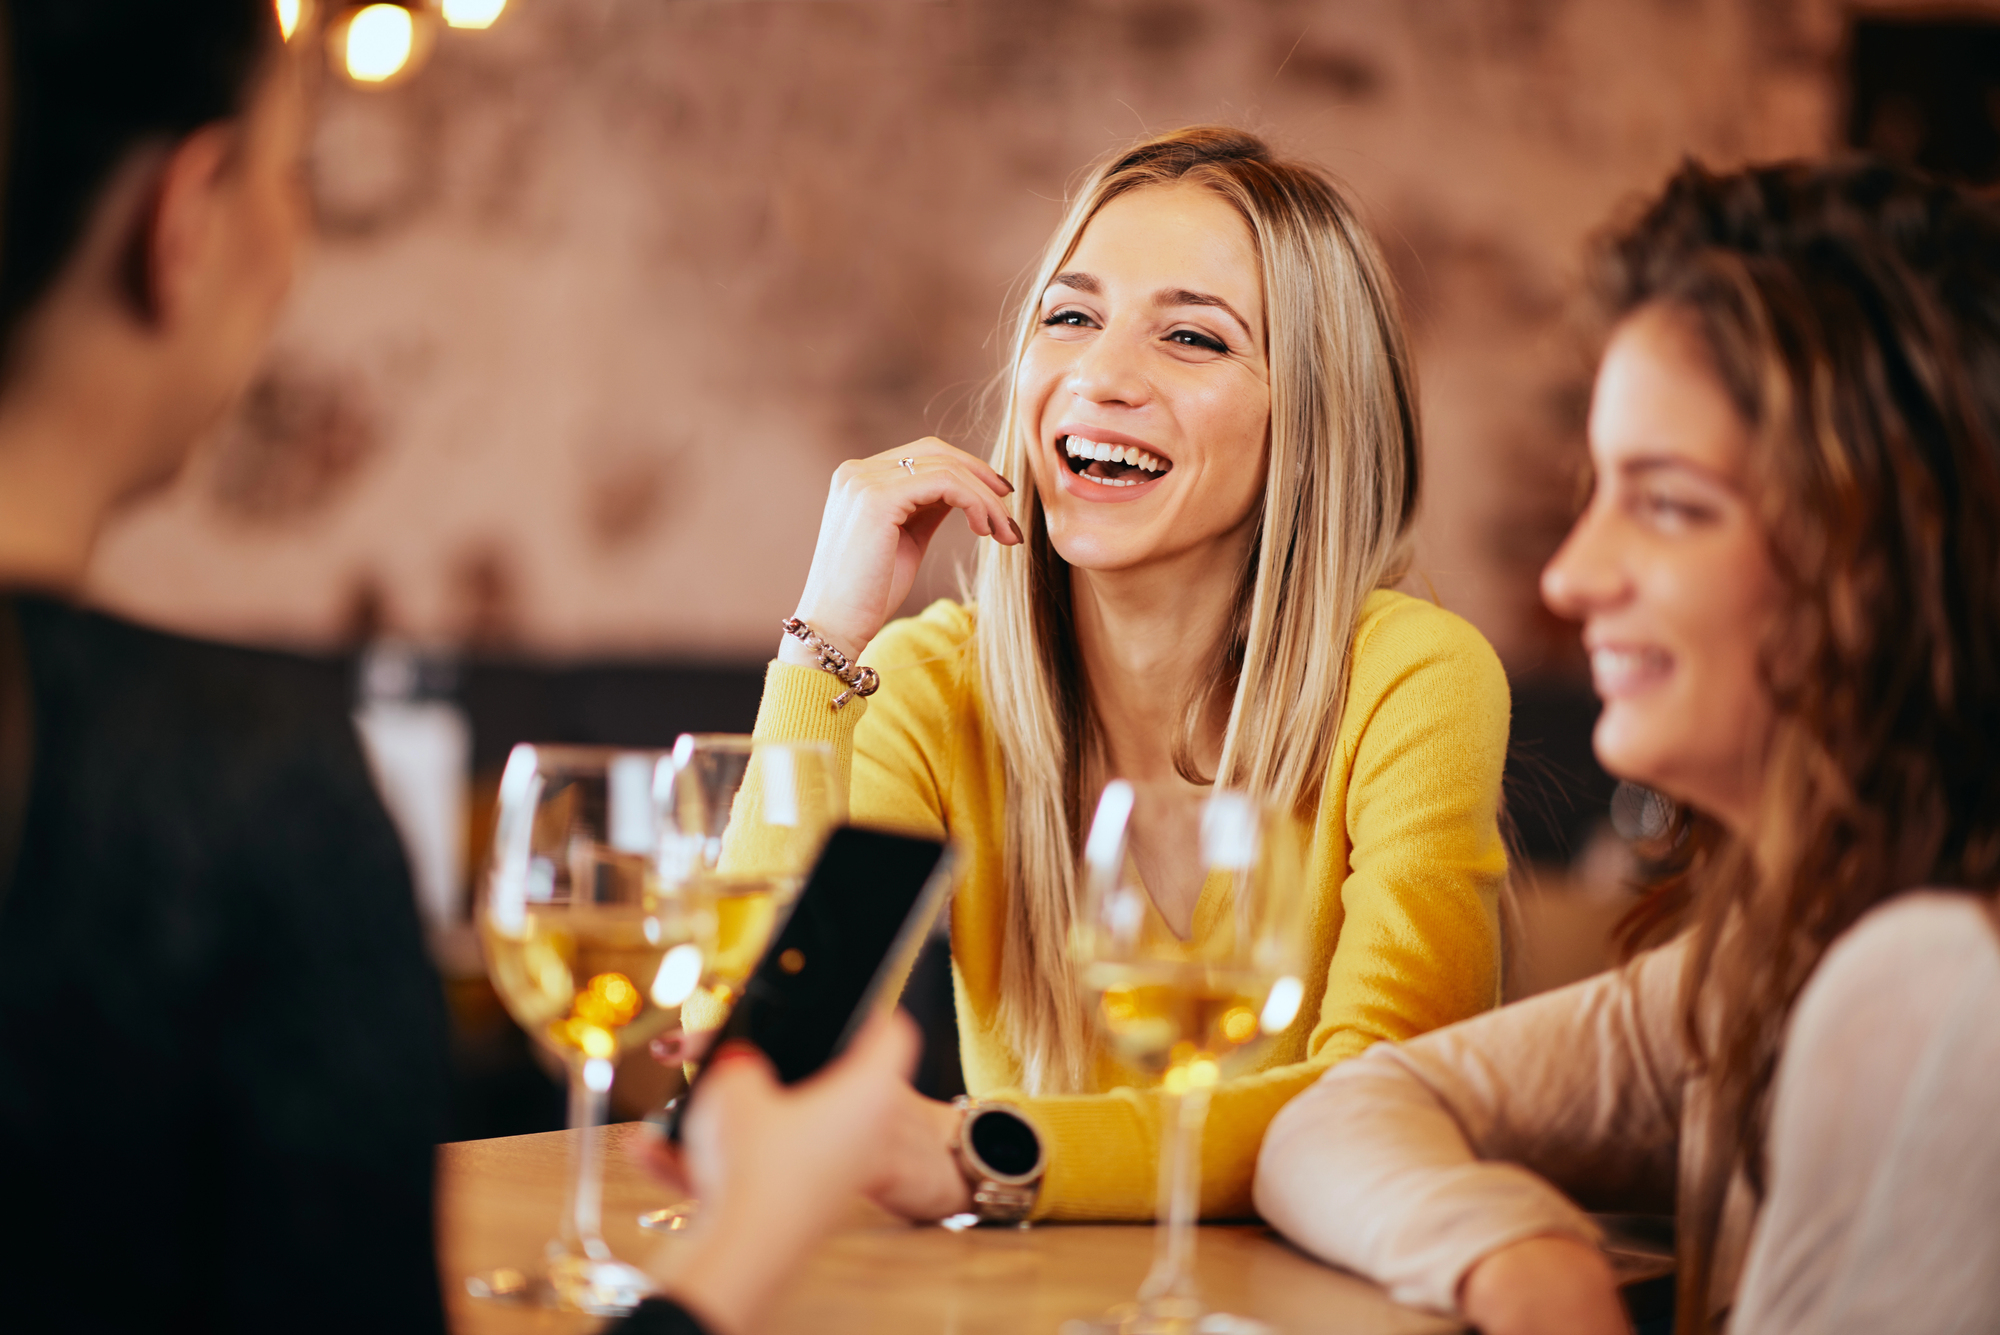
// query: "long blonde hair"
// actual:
[[1340, 491]]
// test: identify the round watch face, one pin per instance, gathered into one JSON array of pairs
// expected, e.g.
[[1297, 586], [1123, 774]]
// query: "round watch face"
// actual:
[[1004, 1142]]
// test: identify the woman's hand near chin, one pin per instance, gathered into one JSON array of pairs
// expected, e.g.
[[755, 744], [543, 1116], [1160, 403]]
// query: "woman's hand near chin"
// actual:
[[879, 521], [1543, 1286]]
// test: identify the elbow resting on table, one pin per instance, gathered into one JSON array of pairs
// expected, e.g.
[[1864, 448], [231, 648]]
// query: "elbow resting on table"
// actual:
[[1296, 1185]]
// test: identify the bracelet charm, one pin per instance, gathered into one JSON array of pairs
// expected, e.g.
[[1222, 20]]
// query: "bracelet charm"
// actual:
[[858, 680]]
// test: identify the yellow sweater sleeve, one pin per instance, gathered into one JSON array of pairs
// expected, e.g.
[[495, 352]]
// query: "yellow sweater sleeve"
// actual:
[[894, 750], [1408, 864]]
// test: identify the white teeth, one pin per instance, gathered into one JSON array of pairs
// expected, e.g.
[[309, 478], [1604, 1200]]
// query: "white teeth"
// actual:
[[1619, 671], [1076, 447]]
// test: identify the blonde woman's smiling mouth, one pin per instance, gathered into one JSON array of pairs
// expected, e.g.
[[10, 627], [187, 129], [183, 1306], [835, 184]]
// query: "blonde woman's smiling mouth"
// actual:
[[1111, 462]]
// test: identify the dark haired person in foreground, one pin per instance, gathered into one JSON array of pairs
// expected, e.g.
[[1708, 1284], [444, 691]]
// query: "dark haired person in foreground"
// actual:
[[1789, 581], [222, 1049]]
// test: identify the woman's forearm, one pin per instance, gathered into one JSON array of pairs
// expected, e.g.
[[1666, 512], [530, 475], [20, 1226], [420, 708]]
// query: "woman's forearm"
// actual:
[[1369, 1171], [1412, 1162]]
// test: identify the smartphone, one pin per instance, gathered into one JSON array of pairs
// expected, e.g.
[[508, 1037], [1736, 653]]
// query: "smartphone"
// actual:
[[846, 949]]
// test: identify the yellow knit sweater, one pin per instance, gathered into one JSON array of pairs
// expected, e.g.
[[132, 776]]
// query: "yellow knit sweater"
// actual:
[[1406, 871]]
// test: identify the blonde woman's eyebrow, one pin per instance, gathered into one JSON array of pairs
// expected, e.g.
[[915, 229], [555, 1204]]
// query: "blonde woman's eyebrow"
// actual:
[[1078, 282], [1180, 296]]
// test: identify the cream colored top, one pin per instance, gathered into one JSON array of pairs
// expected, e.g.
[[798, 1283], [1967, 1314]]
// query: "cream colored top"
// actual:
[[1411, 1162]]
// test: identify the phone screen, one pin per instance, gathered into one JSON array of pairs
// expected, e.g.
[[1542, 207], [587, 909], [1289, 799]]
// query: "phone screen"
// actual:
[[851, 936]]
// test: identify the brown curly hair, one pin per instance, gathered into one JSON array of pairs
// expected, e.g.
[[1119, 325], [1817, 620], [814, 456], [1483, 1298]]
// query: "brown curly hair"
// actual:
[[1853, 312]]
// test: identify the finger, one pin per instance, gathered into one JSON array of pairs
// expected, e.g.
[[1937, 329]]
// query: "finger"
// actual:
[[924, 524], [945, 481], [934, 447], [885, 1046], [680, 1047], [735, 1068], [695, 1044]]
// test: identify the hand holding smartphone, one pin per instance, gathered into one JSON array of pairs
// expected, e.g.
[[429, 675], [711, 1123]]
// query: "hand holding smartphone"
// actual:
[[845, 950]]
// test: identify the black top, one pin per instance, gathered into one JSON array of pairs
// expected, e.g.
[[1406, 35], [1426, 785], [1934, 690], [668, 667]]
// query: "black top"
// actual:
[[222, 1047]]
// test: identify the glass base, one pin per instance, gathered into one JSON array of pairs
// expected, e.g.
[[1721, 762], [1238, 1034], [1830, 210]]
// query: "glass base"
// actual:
[[672, 1219], [569, 1283], [1166, 1316]]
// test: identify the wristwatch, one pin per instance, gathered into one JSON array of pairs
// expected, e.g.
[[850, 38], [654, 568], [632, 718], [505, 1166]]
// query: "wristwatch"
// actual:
[[1001, 1155]]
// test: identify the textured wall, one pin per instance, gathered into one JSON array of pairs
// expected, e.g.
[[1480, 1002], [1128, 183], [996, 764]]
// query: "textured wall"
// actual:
[[602, 296]]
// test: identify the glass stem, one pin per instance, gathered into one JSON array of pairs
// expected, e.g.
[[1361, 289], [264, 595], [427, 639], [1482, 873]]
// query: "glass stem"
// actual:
[[1171, 1280], [589, 1082]]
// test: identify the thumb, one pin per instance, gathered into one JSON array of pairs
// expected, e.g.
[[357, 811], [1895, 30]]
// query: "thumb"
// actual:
[[885, 1050], [734, 1066]]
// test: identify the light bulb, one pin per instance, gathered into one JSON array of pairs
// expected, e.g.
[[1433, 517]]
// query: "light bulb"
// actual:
[[379, 40], [472, 13]]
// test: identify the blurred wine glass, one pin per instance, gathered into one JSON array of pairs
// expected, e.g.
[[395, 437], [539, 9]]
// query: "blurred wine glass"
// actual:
[[742, 822], [1188, 944], [592, 956]]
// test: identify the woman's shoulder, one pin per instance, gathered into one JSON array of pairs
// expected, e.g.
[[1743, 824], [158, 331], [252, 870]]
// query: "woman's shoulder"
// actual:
[[1405, 642], [1922, 934]]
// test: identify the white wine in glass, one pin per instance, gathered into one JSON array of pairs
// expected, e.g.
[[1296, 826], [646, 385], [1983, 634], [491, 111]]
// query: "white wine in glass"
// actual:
[[592, 957], [1188, 942], [742, 823]]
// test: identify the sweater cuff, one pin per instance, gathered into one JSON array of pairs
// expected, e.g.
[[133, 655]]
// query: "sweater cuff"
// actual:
[[798, 707], [1101, 1155]]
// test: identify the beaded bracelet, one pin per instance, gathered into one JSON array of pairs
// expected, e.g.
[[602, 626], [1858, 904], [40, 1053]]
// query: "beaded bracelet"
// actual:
[[858, 680]]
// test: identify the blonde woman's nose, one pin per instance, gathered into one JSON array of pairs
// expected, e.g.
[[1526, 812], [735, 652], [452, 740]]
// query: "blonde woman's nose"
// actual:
[[1108, 370]]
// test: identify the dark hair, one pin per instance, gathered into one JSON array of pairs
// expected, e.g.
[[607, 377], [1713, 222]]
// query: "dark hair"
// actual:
[[1853, 312], [89, 82]]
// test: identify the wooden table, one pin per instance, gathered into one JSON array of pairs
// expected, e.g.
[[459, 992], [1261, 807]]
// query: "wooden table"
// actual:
[[499, 1201]]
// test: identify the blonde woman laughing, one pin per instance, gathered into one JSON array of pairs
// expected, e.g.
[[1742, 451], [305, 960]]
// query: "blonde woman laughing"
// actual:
[[1200, 493]]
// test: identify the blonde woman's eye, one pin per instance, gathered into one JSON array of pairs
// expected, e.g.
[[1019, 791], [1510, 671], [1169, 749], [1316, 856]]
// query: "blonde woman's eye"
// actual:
[[1194, 338], [1067, 315]]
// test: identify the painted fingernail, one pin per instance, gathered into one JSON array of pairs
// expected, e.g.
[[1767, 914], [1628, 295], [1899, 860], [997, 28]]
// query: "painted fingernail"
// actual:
[[1018, 535], [735, 1049]]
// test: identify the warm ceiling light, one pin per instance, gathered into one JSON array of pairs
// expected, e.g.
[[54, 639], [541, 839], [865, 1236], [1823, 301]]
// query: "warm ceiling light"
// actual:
[[288, 16], [472, 13], [379, 41]]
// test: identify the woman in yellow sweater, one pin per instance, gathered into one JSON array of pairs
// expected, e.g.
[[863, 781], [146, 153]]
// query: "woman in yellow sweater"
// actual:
[[1201, 489]]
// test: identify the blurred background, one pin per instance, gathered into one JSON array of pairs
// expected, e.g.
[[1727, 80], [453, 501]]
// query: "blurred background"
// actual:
[[605, 289]]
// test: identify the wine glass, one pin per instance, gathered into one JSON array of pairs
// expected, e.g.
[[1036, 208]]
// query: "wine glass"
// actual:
[[1188, 942], [593, 957], [742, 822]]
